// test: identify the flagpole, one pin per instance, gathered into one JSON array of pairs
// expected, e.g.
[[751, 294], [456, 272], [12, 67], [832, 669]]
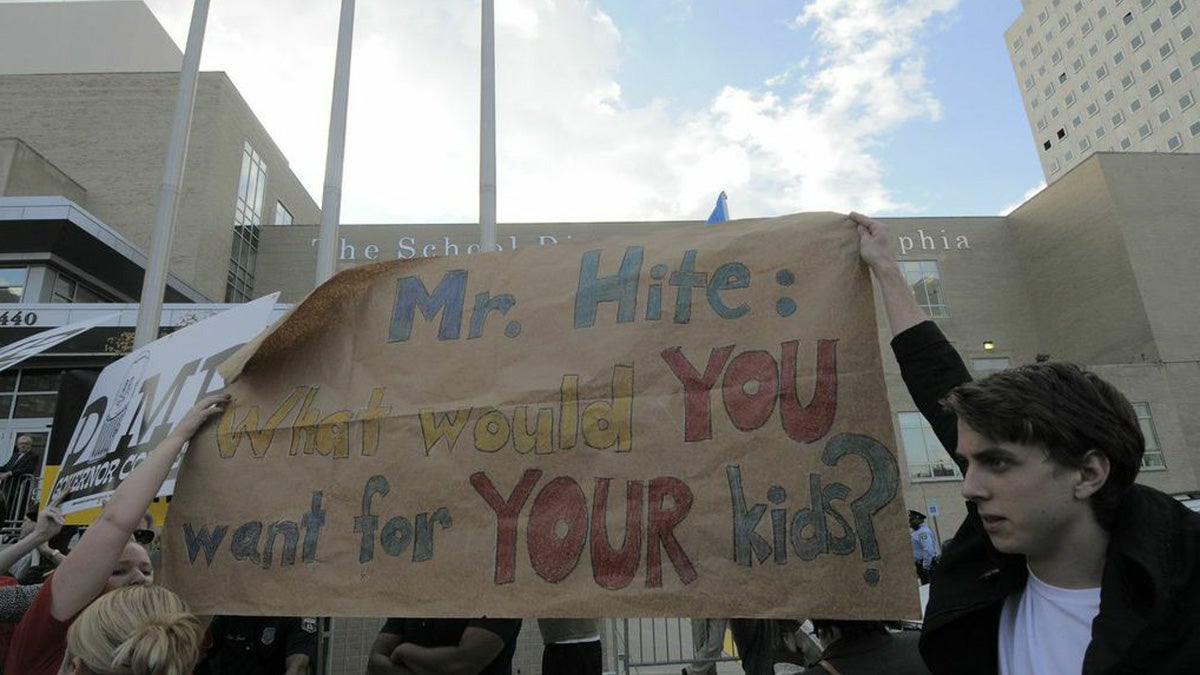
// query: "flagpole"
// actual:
[[335, 151], [155, 279], [487, 130]]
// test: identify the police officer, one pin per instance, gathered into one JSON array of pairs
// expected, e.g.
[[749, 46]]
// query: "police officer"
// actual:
[[925, 550], [260, 645]]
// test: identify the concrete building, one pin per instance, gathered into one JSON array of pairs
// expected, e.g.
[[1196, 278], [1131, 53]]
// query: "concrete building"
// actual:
[[1107, 75]]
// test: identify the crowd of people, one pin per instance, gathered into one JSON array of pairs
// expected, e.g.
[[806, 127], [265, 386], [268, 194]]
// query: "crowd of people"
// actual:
[[1063, 565]]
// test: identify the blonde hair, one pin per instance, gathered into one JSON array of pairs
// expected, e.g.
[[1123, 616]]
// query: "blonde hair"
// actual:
[[136, 630]]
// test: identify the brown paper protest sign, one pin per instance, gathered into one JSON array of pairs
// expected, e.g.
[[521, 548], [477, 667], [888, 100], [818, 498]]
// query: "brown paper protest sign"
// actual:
[[682, 424]]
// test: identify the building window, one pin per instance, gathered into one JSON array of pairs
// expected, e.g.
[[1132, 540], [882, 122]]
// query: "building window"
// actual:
[[1100, 131], [1017, 44], [1085, 86], [1110, 34], [1070, 100], [1054, 167], [1056, 57], [1156, 25], [1118, 119], [1043, 16], [1062, 133], [1127, 19], [926, 283], [1126, 143], [1047, 145], [1153, 458], [1085, 144], [1175, 142], [1036, 50], [1175, 75], [1093, 50], [1029, 83], [1147, 3], [1136, 105], [1186, 101], [1093, 109], [1176, 7], [12, 283], [1196, 60], [1101, 72], [1079, 6], [1109, 96], [1155, 91], [1195, 129], [1064, 22], [1049, 90], [1137, 42], [1145, 130], [69, 289], [1164, 116], [1118, 57], [1062, 78], [1187, 33], [1166, 49], [1102, 12], [1146, 66], [282, 215], [1085, 27], [1076, 66], [1127, 80], [247, 221], [1068, 156], [1041, 124], [924, 454], [28, 393]]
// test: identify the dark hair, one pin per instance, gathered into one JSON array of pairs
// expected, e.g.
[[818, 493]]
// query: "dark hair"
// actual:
[[1063, 408]]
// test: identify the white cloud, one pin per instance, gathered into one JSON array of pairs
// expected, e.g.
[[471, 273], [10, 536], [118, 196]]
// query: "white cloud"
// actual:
[[1024, 198], [570, 148]]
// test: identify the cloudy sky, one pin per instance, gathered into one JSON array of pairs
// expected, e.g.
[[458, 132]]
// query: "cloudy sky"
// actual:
[[642, 109]]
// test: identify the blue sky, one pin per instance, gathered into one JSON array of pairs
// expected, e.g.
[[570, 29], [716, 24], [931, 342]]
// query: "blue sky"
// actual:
[[644, 109]]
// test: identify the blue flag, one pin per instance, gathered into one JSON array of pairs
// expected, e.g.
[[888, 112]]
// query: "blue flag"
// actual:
[[720, 212]]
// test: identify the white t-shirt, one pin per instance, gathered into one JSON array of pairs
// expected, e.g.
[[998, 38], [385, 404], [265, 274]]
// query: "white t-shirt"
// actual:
[[1045, 630]]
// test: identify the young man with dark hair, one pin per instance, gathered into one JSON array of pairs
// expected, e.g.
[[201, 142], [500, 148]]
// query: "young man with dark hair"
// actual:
[[1063, 564]]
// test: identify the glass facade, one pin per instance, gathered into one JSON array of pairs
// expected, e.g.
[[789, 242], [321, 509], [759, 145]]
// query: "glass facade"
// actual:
[[247, 221]]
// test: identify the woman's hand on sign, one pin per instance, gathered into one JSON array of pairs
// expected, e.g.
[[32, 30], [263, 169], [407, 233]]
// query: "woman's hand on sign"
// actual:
[[206, 408]]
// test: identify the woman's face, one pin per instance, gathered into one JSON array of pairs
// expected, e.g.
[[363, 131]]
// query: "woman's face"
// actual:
[[132, 569]]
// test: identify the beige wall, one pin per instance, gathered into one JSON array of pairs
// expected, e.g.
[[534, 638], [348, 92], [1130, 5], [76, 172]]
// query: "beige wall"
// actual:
[[83, 37], [109, 133], [24, 172]]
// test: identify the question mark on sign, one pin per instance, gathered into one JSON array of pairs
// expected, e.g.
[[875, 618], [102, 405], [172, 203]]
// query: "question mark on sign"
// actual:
[[885, 481]]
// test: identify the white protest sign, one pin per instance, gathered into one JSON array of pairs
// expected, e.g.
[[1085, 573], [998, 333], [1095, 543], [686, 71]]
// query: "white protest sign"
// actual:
[[37, 343], [139, 398]]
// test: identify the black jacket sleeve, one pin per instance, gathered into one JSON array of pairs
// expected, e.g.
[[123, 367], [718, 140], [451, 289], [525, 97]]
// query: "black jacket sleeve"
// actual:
[[931, 368]]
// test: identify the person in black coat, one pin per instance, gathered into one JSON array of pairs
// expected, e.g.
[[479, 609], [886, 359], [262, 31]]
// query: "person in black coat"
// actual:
[[1063, 564]]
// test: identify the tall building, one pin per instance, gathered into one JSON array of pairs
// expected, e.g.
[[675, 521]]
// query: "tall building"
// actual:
[[1107, 75]]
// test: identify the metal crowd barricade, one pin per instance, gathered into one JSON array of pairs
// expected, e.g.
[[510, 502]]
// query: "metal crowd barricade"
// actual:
[[17, 493], [655, 643]]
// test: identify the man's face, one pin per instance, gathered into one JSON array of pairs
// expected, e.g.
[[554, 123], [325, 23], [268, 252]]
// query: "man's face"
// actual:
[[133, 569], [24, 443], [1027, 502]]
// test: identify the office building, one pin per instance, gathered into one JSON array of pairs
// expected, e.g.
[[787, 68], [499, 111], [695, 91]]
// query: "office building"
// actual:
[[1107, 75]]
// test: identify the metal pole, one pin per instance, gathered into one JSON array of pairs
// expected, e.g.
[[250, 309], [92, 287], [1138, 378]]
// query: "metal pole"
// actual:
[[155, 280], [487, 131], [335, 153]]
